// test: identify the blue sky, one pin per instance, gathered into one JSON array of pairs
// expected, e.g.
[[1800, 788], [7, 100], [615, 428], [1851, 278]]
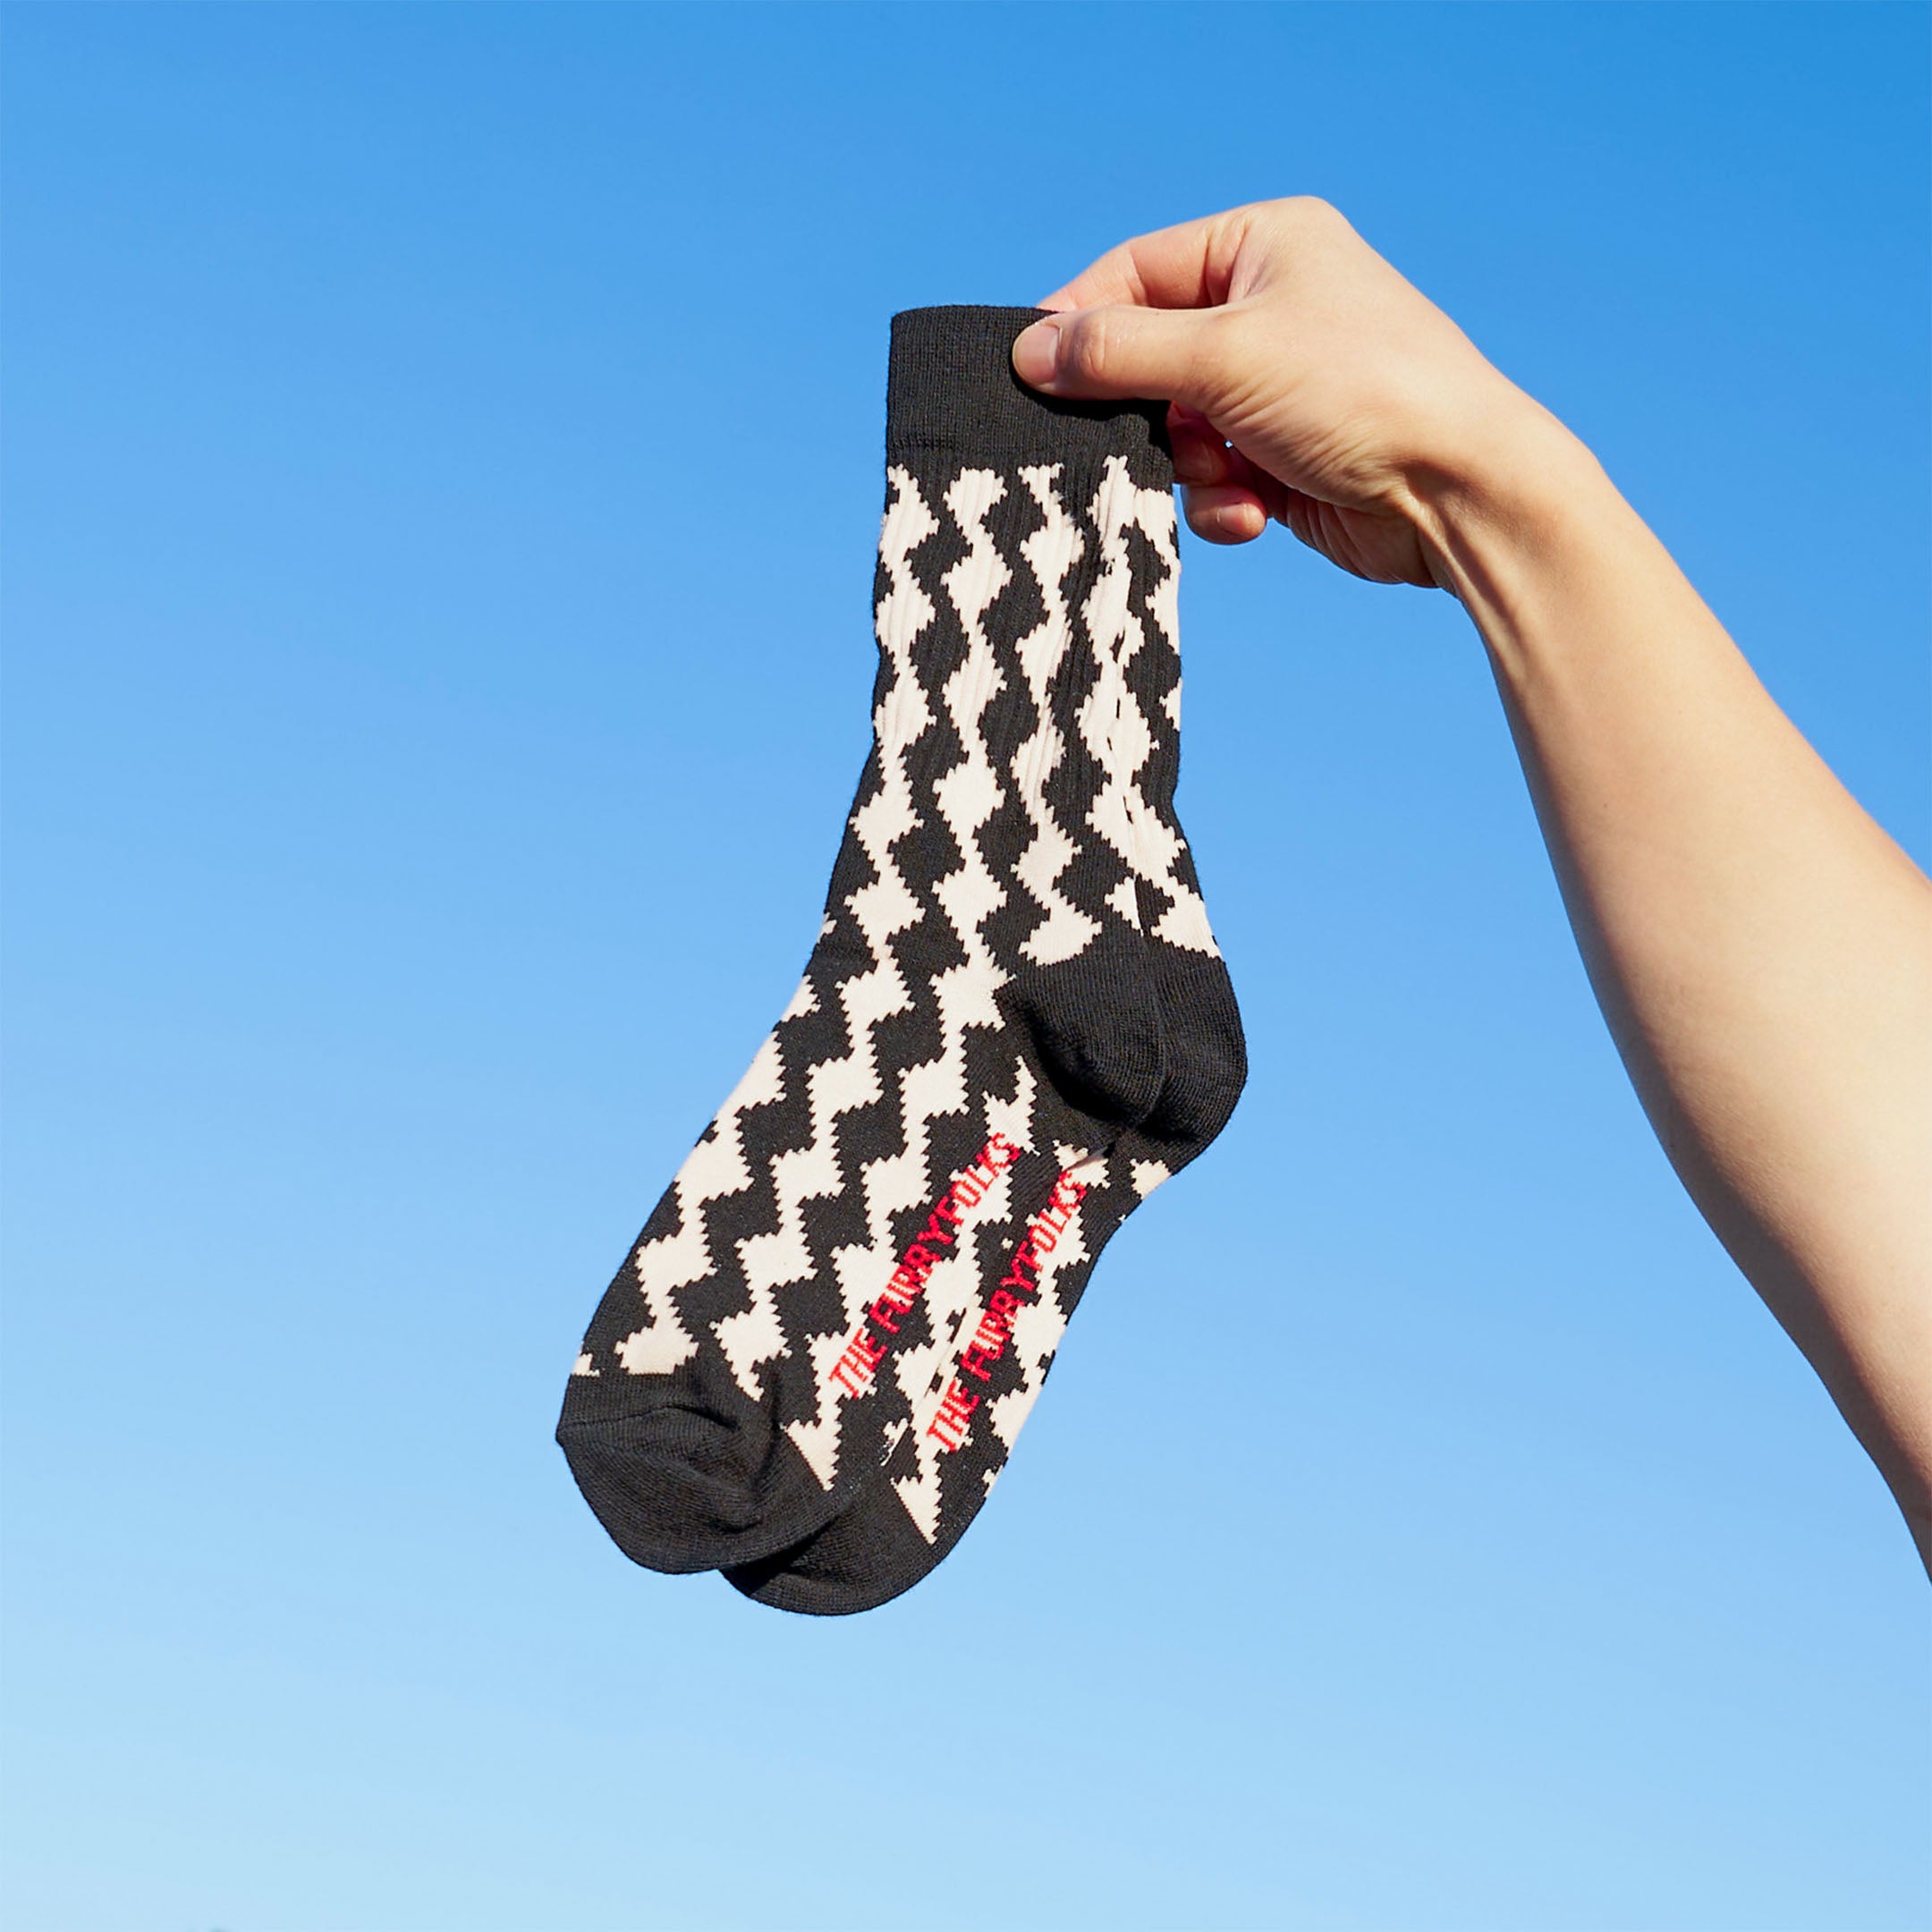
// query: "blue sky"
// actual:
[[441, 472]]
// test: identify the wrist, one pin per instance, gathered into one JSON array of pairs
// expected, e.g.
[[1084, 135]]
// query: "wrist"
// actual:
[[1519, 470], [1524, 503]]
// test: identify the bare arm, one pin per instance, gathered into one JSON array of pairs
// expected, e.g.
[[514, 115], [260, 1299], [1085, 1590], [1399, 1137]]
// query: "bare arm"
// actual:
[[1762, 950]]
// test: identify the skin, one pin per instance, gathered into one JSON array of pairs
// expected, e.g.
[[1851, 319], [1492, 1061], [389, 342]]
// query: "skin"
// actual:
[[1762, 950]]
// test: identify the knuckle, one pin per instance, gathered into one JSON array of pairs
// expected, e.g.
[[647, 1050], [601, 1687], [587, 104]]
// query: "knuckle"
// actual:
[[1224, 343], [1086, 350], [1308, 212]]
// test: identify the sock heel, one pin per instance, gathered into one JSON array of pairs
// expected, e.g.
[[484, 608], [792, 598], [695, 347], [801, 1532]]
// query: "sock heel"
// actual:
[[1105, 1052]]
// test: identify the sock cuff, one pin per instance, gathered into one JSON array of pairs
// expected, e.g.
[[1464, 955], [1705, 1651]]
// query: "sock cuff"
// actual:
[[950, 385]]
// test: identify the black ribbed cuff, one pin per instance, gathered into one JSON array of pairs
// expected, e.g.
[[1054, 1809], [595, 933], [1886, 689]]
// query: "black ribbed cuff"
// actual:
[[950, 385]]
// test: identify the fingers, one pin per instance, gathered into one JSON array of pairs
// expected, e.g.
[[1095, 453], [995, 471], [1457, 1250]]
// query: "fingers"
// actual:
[[1185, 267], [1224, 497], [1225, 512], [1200, 452], [1121, 352]]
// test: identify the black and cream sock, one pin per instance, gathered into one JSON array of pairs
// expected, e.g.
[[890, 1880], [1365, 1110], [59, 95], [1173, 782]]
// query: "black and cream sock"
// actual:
[[979, 1012], [942, 1460]]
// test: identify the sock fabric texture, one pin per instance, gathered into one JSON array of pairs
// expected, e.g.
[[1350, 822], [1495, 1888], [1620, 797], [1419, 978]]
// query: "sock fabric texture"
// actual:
[[942, 1461], [979, 1016]]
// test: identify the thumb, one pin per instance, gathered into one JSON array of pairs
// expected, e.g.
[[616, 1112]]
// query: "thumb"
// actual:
[[1120, 351]]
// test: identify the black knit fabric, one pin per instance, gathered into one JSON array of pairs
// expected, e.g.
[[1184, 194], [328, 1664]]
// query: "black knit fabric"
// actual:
[[981, 1016], [951, 386], [938, 1473]]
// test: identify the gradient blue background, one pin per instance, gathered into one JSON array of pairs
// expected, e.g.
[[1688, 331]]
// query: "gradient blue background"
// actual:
[[443, 452]]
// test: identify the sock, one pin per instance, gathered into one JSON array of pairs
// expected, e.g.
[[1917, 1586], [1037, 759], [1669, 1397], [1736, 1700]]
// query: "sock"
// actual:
[[997, 1346], [976, 1015]]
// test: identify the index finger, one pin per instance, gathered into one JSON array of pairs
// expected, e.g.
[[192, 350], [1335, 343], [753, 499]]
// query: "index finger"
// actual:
[[1186, 266]]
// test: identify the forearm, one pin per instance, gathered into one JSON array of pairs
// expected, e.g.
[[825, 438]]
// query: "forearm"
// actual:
[[1762, 950]]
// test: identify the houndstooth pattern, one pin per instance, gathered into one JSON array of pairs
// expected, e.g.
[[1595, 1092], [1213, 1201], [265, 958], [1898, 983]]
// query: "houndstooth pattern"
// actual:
[[939, 1477], [1137, 624], [994, 835], [968, 794], [1051, 553], [1129, 619]]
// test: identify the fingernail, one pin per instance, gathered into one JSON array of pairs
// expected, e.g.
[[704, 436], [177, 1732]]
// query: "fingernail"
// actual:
[[1037, 353]]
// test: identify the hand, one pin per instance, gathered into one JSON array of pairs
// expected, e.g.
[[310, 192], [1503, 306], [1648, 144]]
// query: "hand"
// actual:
[[1758, 945], [1311, 383]]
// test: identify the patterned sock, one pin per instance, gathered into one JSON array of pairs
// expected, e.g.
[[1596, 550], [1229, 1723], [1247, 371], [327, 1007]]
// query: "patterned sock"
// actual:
[[977, 1013], [997, 1343]]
